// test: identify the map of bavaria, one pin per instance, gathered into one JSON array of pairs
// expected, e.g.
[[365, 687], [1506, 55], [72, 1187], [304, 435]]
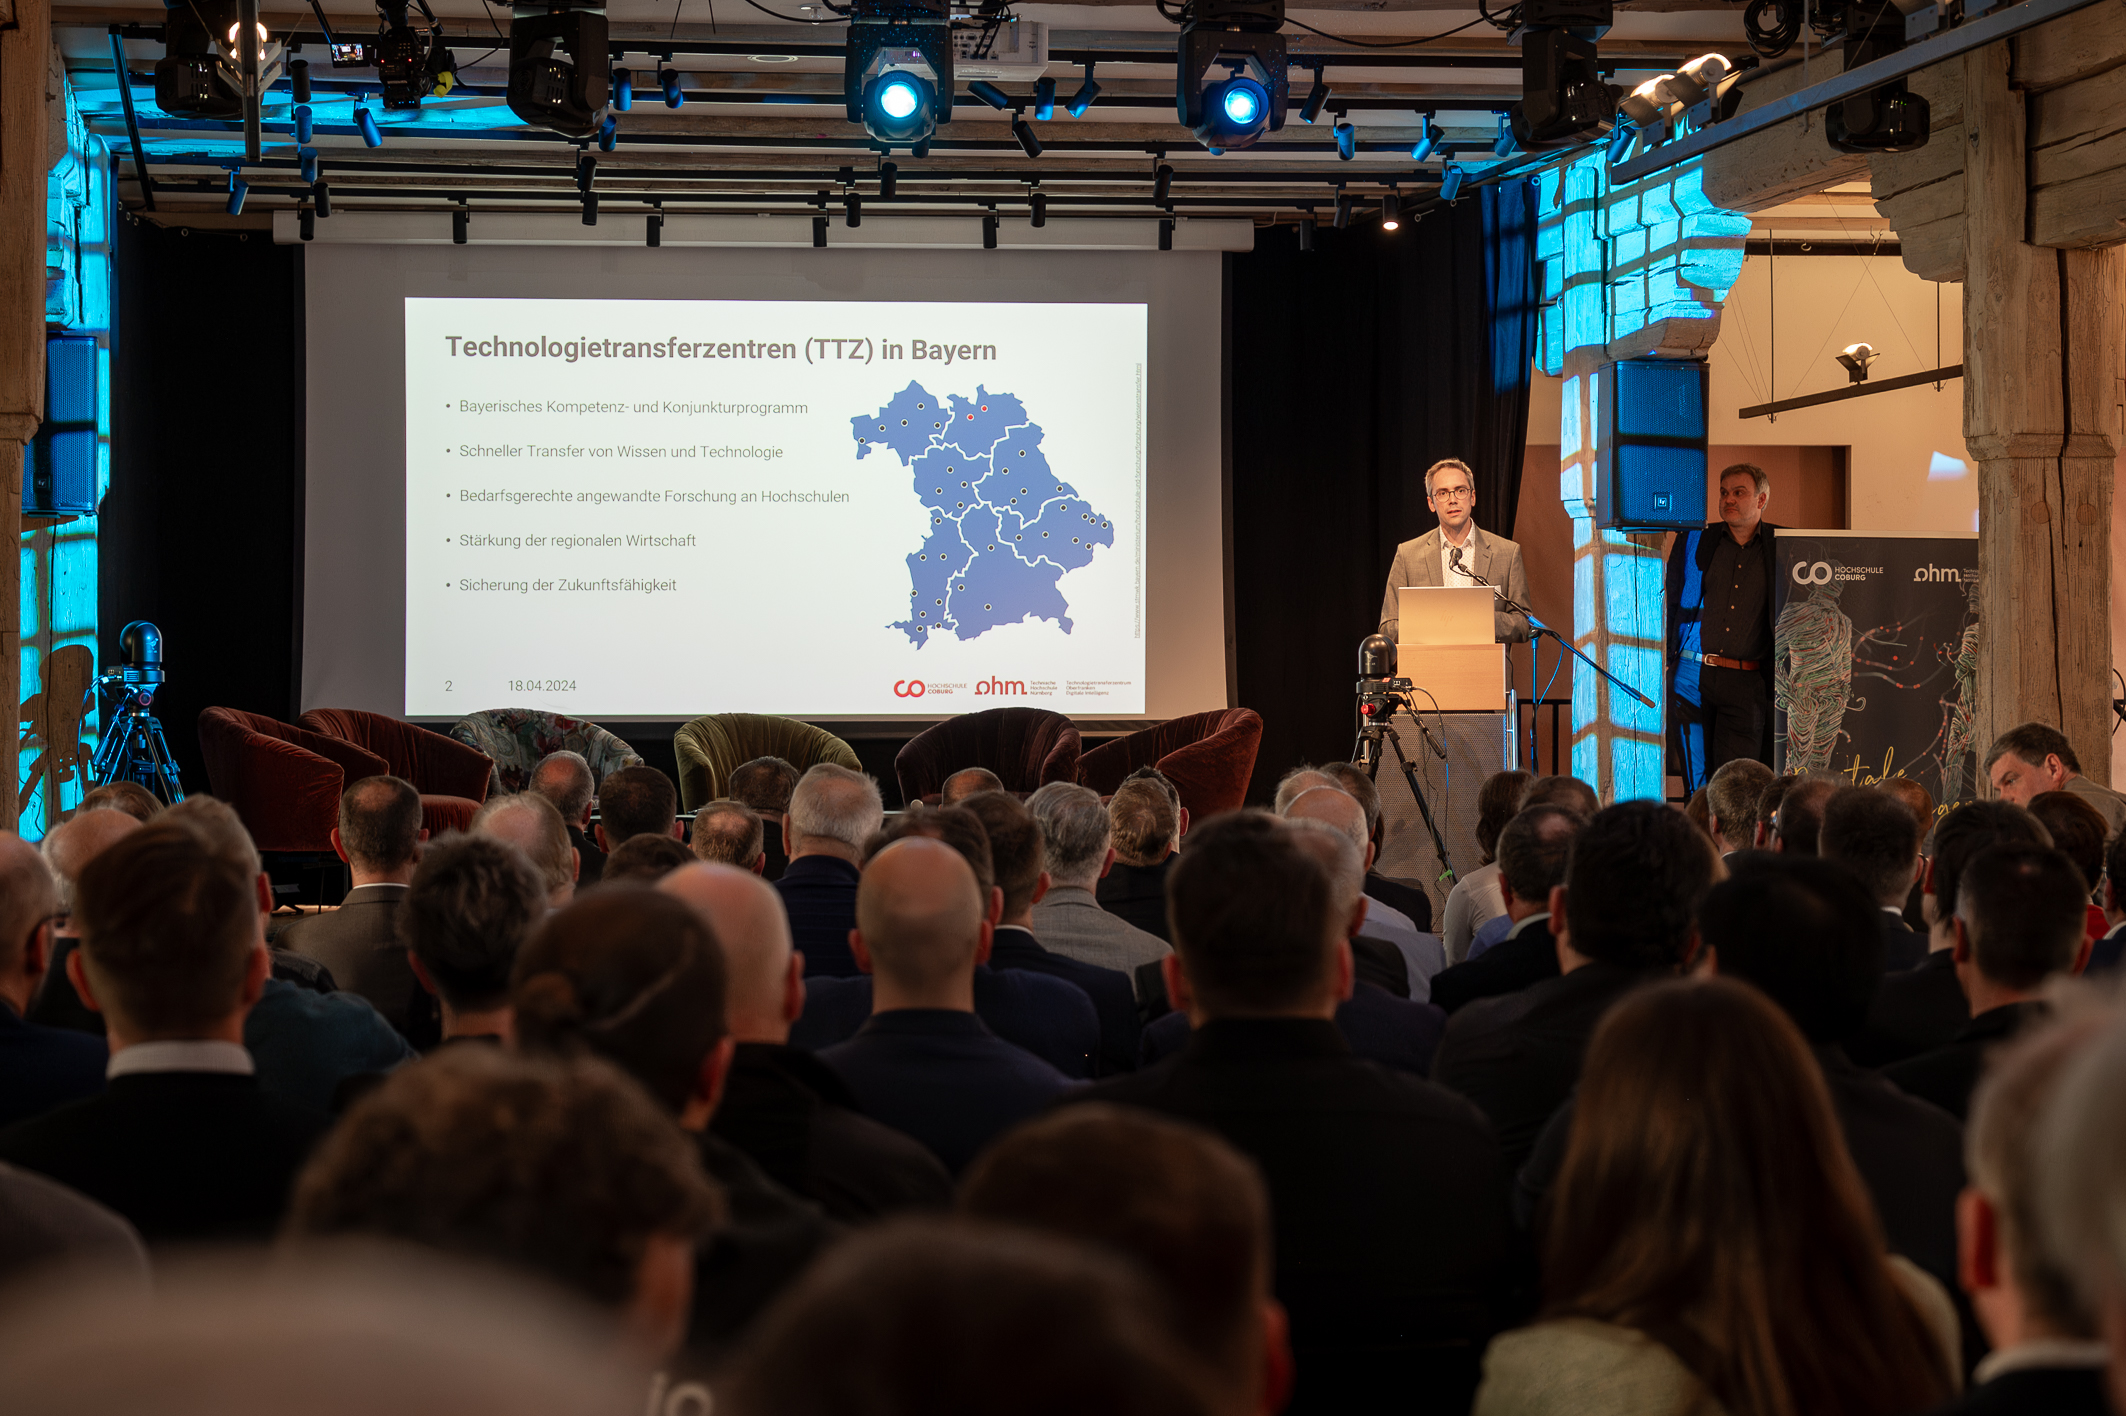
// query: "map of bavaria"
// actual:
[[1003, 528]]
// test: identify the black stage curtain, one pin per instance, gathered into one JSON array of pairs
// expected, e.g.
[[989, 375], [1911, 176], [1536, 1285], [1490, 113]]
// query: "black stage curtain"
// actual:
[[1351, 369], [202, 530]]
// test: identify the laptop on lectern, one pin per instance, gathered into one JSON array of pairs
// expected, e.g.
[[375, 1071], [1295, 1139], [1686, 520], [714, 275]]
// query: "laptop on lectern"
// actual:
[[1446, 614]]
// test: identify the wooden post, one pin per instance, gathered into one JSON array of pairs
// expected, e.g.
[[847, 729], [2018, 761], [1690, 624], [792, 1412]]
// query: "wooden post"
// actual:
[[25, 63], [2041, 342]]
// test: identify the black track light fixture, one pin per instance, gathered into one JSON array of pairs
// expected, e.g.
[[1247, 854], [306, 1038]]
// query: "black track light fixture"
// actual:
[[1087, 92], [1029, 143], [1162, 182], [1342, 219], [989, 232], [653, 229], [819, 232], [1039, 203], [460, 225], [1166, 233], [889, 174], [1391, 212], [1317, 98], [852, 208]]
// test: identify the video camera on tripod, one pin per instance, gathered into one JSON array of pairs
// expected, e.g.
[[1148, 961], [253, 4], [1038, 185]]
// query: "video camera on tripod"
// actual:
[[1381, 695], [133, 748]]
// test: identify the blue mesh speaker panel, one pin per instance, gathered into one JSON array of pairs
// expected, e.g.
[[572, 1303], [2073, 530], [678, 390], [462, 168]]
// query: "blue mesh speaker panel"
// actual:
[[59, 465], [1651, 446]]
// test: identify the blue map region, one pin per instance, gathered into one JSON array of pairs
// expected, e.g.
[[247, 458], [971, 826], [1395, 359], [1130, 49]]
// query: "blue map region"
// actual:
[[1003, 527]]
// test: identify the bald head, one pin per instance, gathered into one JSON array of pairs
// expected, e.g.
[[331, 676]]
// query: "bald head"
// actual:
[[1346, 865], [920, 919], [27, 900], [1296, 781], [531, 824], [73, 844], [1332, 806], [748, 919]]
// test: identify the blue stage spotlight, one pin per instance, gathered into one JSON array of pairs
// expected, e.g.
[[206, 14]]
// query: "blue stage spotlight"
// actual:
[[898, 108], [1504, 145], [1235, 112], [238, 190], [1317, 99], [1428, 142], [623, 89], [669, 81], [303, 123], [1346, 142], [1621, 138], [1241, 37], [1044, 100], [1083, 98], [307, 160], [609, 134], [897, 70], [1450, 181], [366, 121]]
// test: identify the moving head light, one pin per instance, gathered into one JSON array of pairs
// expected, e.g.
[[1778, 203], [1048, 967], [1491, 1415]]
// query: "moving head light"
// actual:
[[897, 71], [1891, 118], [561, 96], [1563, 98], [1242, 35], [201, 72]]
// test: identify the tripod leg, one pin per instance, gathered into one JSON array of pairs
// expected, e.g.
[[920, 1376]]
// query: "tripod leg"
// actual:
[[1424, 808], [166, 784]]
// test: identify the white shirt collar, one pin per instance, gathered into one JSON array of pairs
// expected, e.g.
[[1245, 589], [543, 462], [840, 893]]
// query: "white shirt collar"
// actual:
[[2040, 1352], [182, 1056], [1536, 918]]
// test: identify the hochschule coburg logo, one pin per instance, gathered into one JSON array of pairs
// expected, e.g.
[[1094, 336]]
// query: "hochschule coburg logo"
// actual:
[[1818, 573], [908, 688]]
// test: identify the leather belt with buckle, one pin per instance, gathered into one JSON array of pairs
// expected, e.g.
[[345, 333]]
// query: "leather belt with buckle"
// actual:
[[1721, 661]]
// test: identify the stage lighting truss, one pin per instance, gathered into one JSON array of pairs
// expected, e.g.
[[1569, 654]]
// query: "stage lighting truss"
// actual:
[[201, 72], [1235, 110], [897, 72], [1706, 90], [1564, 100], [561, 96]]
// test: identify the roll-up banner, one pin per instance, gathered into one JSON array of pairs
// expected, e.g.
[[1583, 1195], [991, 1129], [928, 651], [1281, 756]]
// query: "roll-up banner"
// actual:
[[1875, 653]]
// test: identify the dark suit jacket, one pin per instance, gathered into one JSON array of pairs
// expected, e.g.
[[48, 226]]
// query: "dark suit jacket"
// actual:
[[792, 1115], [1518, 1056], [1949, 1074], [183, 1155], [1379, 1027], [1397, 896], [771, 844], [1049, 1017], [590, 866], [2104, 954], [1394, 1250], [1113, 1000], [943, 1078], [1902, 947], [2036, 1391], [41, 1068], [771, 1237], [1506, 967], [1914, 1011], [1137, 893], [819, 894], [359, 943]]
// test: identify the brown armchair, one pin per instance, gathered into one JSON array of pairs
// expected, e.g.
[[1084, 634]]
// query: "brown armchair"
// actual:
[[1209, 757], [451, 777], [1026, 747], [284, 781]]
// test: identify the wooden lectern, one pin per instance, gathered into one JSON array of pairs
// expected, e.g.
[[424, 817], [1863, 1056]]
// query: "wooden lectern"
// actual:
[[1448, 647]]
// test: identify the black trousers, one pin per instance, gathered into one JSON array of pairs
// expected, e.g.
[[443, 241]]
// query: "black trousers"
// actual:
[[1735, 705]]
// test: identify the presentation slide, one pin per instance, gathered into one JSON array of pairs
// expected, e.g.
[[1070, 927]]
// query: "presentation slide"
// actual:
[[641, 507]]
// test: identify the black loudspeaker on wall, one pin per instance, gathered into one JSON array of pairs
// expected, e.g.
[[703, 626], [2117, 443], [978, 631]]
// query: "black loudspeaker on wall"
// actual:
[[1650, 445], [59, 465]]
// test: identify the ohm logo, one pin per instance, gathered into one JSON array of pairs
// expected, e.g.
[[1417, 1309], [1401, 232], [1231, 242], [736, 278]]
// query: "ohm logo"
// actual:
[[1816, 574], [908, 688]]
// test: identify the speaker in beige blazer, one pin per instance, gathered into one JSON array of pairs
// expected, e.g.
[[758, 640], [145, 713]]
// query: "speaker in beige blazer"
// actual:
[[1492, 558]]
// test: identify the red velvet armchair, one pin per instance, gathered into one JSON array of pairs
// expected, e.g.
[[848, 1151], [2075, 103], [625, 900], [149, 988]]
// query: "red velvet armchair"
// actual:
[[284, 781], [451, 777], [1026, 747], [1209, 757]]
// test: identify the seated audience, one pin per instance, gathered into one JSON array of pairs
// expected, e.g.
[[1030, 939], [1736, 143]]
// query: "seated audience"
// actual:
[[643, 859], [1380, 1026], [1876, 837], [68, 848], [1474, 900], [634, 976], [2032, 758], [1798, 825], [1077, 849], [131, 798], [2046, 1358], [924, 1063], [1389, 1200], [1185, 1206], [183, 1142], [935, 1316], [833, 811], [2080, 1160], [2077, 830], [2018, 924], [636, 801], [1920, 802], [782, 1106], [1574, 796], [472, 904], [1405, 897], [1533, 849], [730, 833], [40, 1067], [531, 824], [379, 836], [2105, 953], [45, 1226], [1731, 797], [1423, 956], [563, 1169], [1629, 915], [1303, 778], [1015, 854], [1700, 814], [967, 782], [564, 778], [1924, 1007], [1765, 836], [764, 785], [1148, 822], [1708, 1246]]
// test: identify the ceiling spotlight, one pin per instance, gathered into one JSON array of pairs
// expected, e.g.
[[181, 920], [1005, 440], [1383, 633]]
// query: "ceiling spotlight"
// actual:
[[201, 72], [989, 232], [1645, 105], [1563, 97], [1242, 36], [1450, 181], [1346, 141], [306, 223], [1856, 358], [1039, 203], [1044, 100], [590, 208], [897, 70], [852, 208], [1023, 131], [321, 198], [1342, 218], [623, 89], [1891, 118], [306, 161], [1162, 182], [1317, 98], [653, 229], [1391, 213], [238, 190], [669, 80], [586, 171], [561, 96], [609, 134], [1620, 142], [990, 94], [888, 180], [1306, 232], [1428, 140], [1166, 233], [819, 232], [460, 226], [1083, 98], [364, 120]]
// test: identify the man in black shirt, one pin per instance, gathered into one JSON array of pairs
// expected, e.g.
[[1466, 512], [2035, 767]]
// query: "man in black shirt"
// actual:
[[564, 778], [1720, 630], [1149, 824]]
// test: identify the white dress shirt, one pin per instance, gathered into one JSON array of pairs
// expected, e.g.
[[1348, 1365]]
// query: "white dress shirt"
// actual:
[[181, 1056], [1448, 575]]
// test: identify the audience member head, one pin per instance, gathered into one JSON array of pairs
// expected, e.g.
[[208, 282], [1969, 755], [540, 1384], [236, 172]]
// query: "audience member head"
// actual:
[[29, 904], [2021, 917], [1917, 799], [923, 1316], [380, 833], [1015, 851], [1706, 1195], [131, 798], [1076, 834], [1731, 797], [764, 978], [1334, 807], [1498, 801], [636, 801], [2030, 758], [1253, 927], [731, 833], [2077, 830], [967, 782], [76, 841], [958, 828], [216, 823], [1633, 886], [1767, 828], [564, 1169], [564, 778], [833, 811], [531, 824], [1175, 1199], [1353, 780], [1303, 778], [1533, 852], [473, 902], [1873, 833], [1337, 854], [1806, 932], [170, 941], [1699, 813], [644, 860], [1160, 780], [635, 976], [765, 784], [1962, 834], [920, 926], [1145, 822], [1799, 822], [1569, 792], [2081, 1167]]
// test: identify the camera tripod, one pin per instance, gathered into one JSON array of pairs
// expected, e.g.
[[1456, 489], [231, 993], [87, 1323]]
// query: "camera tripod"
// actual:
[[1376, 708], [133, 748]]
